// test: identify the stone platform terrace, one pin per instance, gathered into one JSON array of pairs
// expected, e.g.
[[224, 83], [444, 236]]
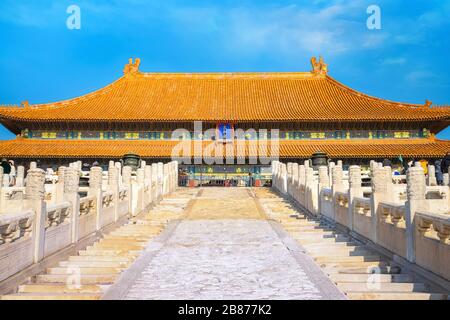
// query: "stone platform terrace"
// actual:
[[227, 243]]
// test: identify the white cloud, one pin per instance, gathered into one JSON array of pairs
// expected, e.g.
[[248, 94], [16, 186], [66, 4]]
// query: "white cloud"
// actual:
[[330, 30], [419, 76], [394, 61]]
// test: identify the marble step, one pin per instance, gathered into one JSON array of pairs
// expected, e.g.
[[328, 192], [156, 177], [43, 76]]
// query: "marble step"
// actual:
[[133, 235], [354, 264], [339, 252], [381, 287], [338, 259], [361, 270], [50, 288], [85, 279], [101, 258], [396, 296], [306, 240], [50, 296], [118, 246], [360, 277], [311, 233], [331, 245], [105, 264], [83, 270], [91, 251]]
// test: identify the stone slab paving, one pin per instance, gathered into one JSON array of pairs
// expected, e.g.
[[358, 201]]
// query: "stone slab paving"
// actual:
[[224, 203], [225, 259]]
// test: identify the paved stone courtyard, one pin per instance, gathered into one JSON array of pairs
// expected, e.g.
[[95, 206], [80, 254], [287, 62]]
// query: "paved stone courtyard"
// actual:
[[237, 257]]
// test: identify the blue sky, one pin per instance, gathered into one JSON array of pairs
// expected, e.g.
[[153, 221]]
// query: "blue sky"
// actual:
[[41, 60]]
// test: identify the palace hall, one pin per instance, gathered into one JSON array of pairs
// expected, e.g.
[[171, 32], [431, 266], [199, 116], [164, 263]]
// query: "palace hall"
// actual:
[[307, 112]]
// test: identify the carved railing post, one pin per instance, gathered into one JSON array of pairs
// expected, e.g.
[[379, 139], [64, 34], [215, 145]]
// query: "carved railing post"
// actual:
[[381, 191], [155, 182], [274, 172], [446, 179], [337, 186], [126, 176], [288, 177], [324, 181], [431, 179], [140, 191], [95, 189], [160, 179], [20, 176], [176, 175], [113, 185], [34, 199], [118, 165], [283, 178], [148, 184], [59, 188], [5, 181], [126, 183], [278, 176], [323, 177], [294, 180], [71, 184], [354, 190], [301, 184], [416, 191], [308, 184], [165, 176], [171, 174], [331, 166]]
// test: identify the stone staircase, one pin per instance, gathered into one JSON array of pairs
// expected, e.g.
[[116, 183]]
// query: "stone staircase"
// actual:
[[86, 276], [356, 269]]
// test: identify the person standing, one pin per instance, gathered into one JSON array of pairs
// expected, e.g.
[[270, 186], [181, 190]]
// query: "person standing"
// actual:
[[424, 165], [438, 173], [6, 166], [387, 163], [6, 169], [445, 163], [12, 175]]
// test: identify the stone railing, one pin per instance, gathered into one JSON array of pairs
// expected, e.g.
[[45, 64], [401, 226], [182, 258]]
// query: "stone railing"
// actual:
[[42, 219], [362, 216], [341, 204], [15, 226], [58, 227], [16, 242], [387, 218], [87, 219], [11, 198], [432, 242], [391, 229], [326, 202]]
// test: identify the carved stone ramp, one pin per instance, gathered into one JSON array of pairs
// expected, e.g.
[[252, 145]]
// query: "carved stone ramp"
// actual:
[[225, 249], [89, 274], [356, 269]]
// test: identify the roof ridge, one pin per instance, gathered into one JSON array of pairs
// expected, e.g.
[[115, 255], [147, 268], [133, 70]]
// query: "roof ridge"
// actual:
[[63, 103], [365, 95], [220, 75]]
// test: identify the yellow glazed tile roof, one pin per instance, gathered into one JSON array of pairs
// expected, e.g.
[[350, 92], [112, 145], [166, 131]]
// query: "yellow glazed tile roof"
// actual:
[[300, 97], [33, 148]]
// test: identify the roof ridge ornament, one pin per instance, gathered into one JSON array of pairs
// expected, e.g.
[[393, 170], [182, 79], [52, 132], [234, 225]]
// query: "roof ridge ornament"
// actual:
[[132, 67], [25, 104], [428, 103], [319, 67]]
